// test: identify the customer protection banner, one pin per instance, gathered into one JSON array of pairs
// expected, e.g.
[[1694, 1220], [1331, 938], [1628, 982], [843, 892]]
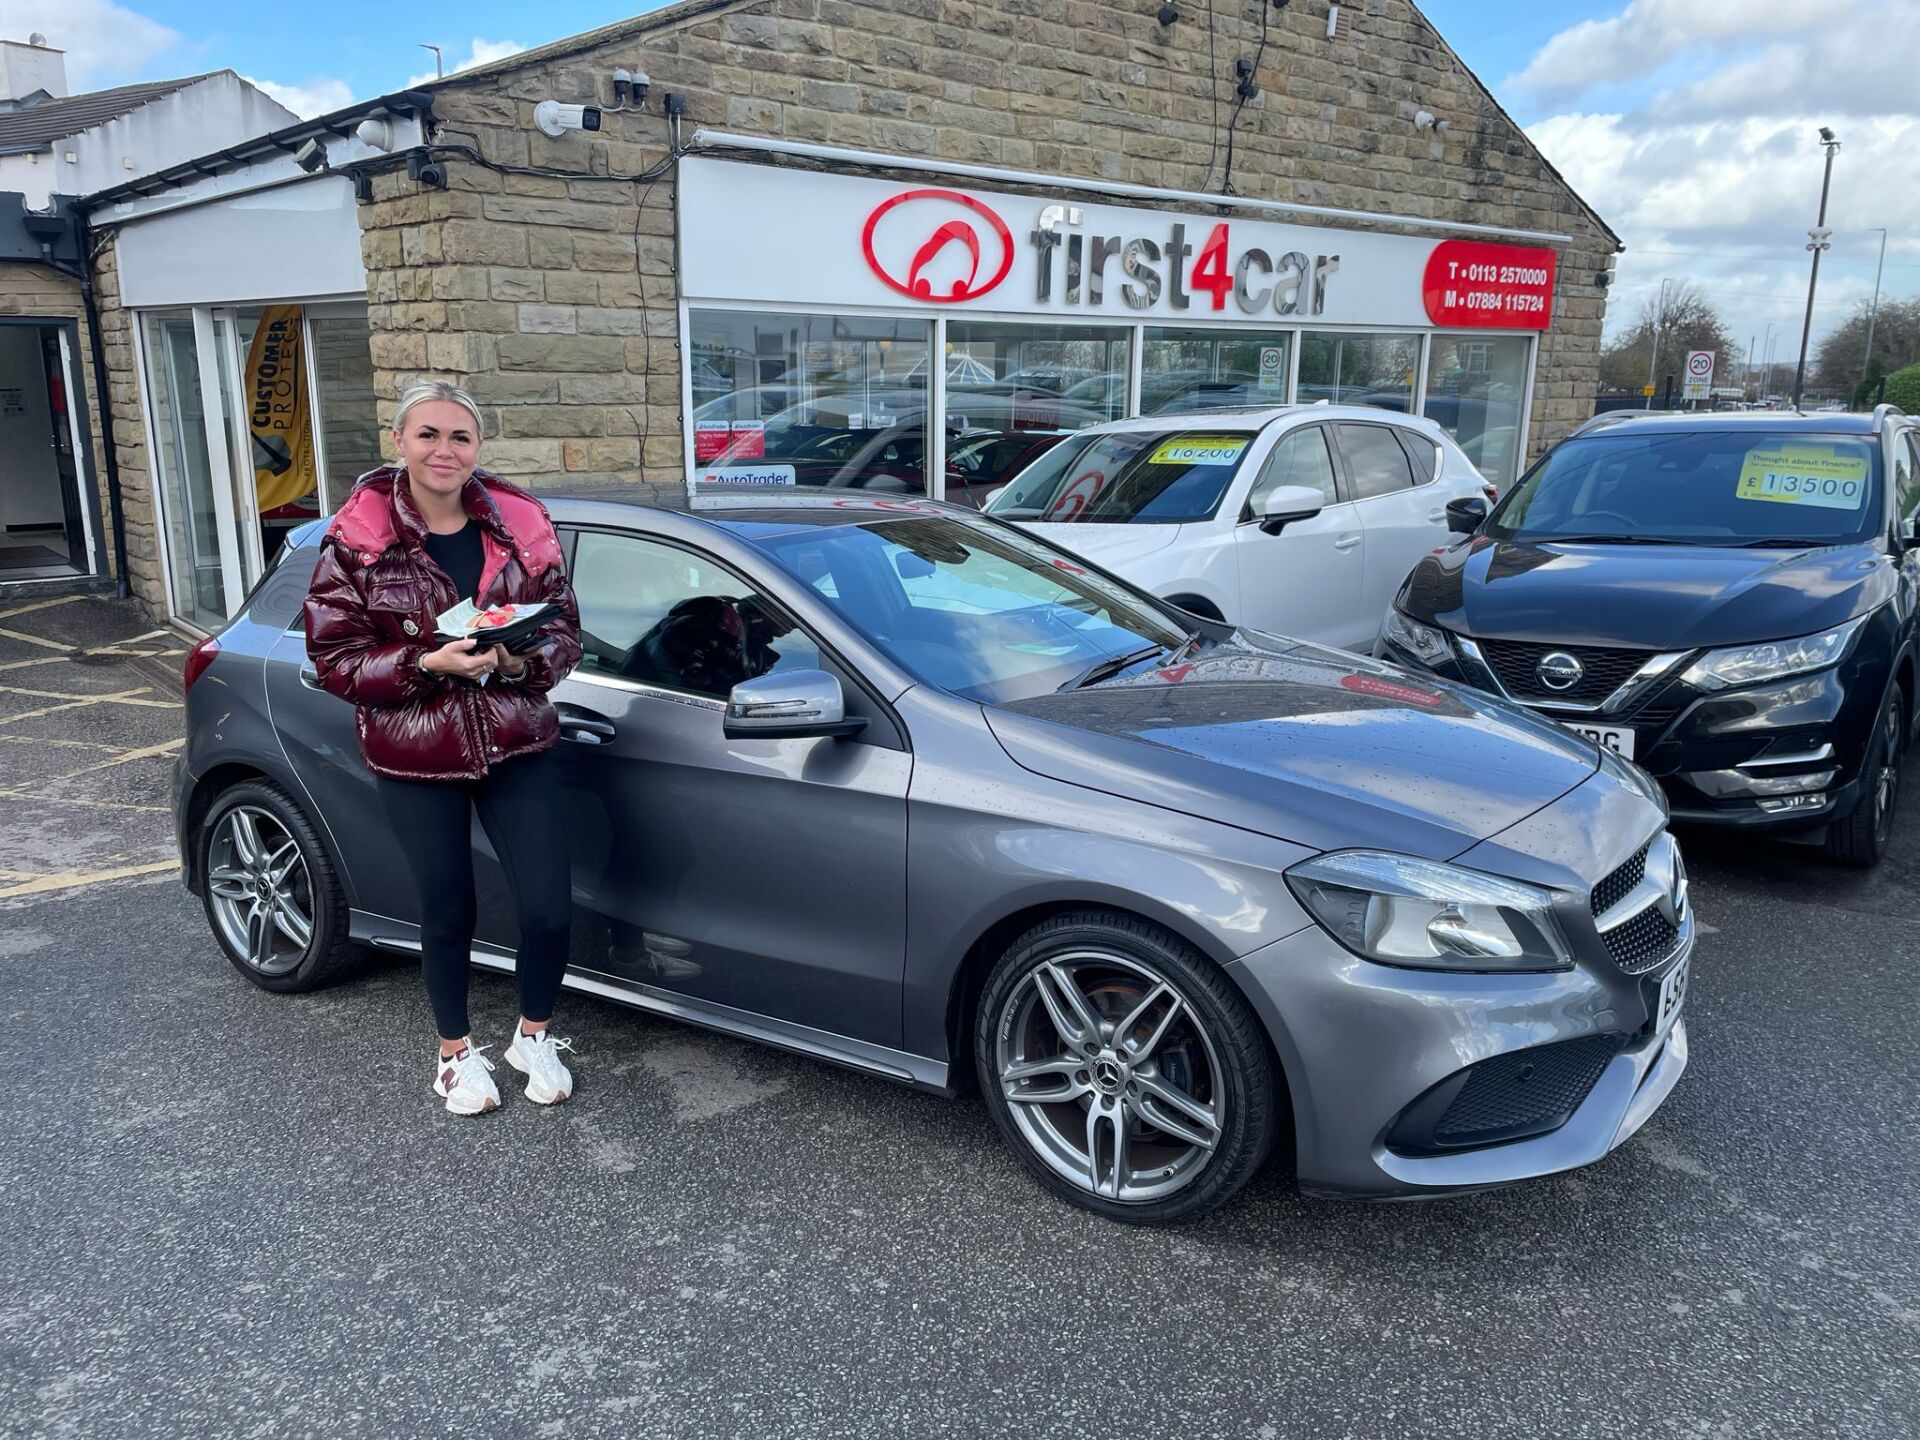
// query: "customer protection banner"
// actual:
[[277, 406]]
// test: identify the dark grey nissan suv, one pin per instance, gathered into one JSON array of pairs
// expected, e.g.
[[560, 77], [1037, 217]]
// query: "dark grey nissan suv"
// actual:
[[900, 787]]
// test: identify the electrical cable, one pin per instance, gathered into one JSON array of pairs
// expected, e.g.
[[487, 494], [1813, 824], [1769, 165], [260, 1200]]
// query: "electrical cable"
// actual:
[[1241, 98], [1213, 91]]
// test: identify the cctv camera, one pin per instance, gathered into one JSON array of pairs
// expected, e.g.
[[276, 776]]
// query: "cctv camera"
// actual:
[[555, 119], [1169, 14], [311, 156]]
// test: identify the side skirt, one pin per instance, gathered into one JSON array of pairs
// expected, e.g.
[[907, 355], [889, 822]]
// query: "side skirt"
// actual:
[[919, 1071]]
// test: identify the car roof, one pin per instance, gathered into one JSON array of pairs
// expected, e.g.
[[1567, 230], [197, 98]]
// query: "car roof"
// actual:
[[742, 510], [1239, 417], [1817, 422]]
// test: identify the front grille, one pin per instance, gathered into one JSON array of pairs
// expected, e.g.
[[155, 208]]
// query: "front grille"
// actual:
[[1616, 886], [1642, 942], [1514, 662], [1510, 1097], [1526, 1090]]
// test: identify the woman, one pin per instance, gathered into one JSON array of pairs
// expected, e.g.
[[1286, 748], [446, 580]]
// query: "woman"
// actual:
[[450, 729]]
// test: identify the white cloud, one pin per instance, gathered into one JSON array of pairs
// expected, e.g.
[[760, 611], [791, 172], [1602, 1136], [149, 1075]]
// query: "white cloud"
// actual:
[[1652, 33], [317, 96], [1715, 178], [106, 44], [481, 52]]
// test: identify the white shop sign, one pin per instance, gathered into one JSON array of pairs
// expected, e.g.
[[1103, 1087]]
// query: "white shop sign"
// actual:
[[760, 233]]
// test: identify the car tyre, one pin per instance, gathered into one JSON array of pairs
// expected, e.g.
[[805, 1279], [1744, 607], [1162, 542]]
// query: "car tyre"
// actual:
[[271, 892], [1174, 1097], [1861, 839]]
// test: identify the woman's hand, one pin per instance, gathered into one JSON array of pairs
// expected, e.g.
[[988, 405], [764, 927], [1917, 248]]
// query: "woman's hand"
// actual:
[[460, 658], [509, 665]]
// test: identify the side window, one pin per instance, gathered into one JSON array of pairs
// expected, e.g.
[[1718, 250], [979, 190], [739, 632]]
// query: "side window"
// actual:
[[1422, 454], [664, 616], [1300, 458], [1376, 465], [1906, 473]]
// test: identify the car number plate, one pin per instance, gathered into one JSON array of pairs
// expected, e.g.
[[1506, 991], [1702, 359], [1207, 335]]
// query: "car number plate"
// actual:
[[1617, 738], [1673, 994]]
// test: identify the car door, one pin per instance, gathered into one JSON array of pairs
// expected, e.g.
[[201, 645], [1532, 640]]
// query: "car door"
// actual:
[[1307, 580], [1403, 520], [765, 875]]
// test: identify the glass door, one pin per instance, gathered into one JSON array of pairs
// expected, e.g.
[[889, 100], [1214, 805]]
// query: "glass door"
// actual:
[[204, 577]]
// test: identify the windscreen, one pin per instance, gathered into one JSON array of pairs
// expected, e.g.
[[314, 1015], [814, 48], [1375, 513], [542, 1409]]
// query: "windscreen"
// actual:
[[1127, 477], [1701, 488], [980, 610]]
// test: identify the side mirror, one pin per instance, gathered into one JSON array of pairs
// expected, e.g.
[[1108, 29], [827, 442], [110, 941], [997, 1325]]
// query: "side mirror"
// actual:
[[796, 705], [1284, 504], [1466, 515]]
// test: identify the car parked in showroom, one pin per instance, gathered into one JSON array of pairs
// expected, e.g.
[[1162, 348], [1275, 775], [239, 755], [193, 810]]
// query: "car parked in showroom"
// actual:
[[1299, 520], [897, 786], [1726, 599]]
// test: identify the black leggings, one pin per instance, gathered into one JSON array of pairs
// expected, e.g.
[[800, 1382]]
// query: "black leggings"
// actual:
[[519, 805]]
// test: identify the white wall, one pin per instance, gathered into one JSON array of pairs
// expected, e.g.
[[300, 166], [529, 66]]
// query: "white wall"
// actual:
[[29, 474], [287, 241], [204, 117]]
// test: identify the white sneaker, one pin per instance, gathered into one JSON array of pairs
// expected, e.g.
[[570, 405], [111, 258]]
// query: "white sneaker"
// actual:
[[538, 1058], [463, 1082]]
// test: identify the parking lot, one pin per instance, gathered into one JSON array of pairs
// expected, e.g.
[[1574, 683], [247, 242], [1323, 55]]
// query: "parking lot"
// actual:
[[225, 1212]]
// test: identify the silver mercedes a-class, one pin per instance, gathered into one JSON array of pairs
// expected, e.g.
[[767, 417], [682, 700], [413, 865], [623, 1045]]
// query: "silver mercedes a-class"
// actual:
[[895, 785]]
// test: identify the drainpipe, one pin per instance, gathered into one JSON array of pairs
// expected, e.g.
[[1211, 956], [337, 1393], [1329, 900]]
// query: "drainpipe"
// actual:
[[83, 272]]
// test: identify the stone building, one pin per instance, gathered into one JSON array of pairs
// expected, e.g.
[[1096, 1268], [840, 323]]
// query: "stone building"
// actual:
[[809, 241]]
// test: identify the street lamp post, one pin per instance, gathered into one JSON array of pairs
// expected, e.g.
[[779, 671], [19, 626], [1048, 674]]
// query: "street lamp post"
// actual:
[[1866, 361], [1818, 239], [1659, 316]]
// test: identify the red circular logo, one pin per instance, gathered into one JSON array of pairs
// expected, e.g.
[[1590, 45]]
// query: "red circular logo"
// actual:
[[939, 235]]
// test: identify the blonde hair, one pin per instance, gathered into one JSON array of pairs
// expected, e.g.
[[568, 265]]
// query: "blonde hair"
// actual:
[[424, 390]]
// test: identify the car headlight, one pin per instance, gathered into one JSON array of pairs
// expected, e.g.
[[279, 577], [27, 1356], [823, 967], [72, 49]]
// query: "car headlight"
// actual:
[[1748, 664], [1425, 643], [1400, 910]]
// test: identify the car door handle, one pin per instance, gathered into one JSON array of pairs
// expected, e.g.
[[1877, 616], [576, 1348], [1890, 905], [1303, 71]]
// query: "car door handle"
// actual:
[[1436, 516], [585, 729], [1346, 542], [309, 677]]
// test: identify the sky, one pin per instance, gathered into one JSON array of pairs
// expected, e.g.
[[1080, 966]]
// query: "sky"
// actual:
[[1690, 125]]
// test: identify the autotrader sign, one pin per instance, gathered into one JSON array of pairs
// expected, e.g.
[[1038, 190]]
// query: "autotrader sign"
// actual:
[[763, 233]]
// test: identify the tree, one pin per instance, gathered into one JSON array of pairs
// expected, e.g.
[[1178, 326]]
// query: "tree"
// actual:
[[1689, 322], [1842, 355]]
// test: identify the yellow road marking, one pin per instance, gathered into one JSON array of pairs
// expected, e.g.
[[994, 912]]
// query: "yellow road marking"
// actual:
[[36, 640], [147, 752], [115, 697], [39, 605], [74, 880], [85, 804], [44, 740]]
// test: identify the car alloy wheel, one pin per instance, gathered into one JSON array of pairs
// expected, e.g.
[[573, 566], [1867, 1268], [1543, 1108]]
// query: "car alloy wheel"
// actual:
[[1886, 787], [258, 890], [1111, 1076]]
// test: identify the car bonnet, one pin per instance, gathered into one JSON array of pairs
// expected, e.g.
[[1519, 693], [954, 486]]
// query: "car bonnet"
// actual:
[[1308, 745]]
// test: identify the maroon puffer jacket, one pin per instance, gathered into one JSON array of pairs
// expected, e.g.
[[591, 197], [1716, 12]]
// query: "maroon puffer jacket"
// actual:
[[370, 616]]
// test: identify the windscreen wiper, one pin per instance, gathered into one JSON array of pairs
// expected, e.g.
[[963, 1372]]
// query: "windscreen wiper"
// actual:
[[1780, 542], [1106, 669], [1609, 540]]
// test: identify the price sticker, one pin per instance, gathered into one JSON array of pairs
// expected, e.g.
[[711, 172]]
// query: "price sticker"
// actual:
[[1820, 475], [1199, 450]]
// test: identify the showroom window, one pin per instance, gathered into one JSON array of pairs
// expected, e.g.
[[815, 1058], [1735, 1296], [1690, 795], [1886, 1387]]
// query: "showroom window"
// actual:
[[809, 400], [1476, 389], [1359, 369], [1036, 377], [663, 616], [1206, 369]]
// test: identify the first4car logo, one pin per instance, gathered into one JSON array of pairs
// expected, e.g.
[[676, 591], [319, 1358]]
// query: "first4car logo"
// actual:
[[945, 247], [954, 247]]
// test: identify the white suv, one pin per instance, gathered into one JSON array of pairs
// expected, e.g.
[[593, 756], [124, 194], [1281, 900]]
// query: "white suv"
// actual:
[[1300, 520]]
